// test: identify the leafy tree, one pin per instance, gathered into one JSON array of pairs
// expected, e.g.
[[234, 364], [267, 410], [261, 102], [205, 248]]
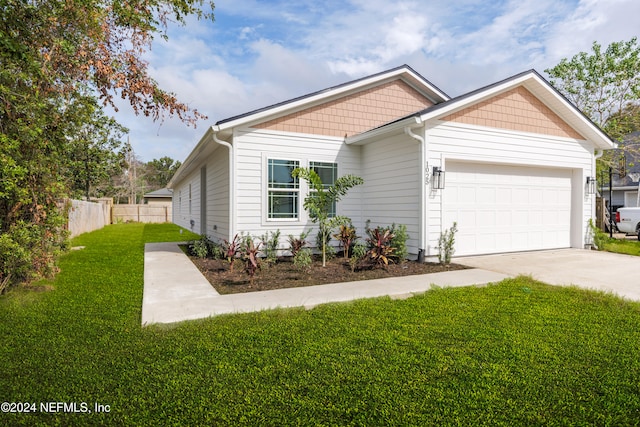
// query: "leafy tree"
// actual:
[[320, 200], [54, 56], [93, 154], [159, 172], [605, 85]]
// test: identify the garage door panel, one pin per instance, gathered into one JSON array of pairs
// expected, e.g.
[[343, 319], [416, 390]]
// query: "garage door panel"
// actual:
[[502, 208]]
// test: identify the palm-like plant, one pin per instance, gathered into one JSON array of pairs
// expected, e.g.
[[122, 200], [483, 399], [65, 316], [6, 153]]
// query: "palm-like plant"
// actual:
[[320, 200]]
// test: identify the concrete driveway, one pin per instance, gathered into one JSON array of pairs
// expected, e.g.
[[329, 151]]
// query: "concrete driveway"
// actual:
[[604, 271]]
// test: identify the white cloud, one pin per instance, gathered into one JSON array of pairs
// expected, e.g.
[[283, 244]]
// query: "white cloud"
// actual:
[[260, 53]]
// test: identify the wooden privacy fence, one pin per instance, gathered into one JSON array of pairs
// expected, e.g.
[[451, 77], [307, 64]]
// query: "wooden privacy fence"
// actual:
[[141, 213], [89, 216]]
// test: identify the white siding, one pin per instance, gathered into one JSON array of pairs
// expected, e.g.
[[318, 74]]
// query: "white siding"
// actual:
[[391, 170], [458, 142], [218, 195], [182, 214], [254, 147]]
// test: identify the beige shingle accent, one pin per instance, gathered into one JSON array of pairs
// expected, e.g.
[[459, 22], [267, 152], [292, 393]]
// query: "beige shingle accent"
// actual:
[[517, 109], [355, 113]]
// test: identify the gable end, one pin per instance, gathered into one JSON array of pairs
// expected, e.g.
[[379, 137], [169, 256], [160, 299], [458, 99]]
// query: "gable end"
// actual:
[[355, 113], [518, 110]]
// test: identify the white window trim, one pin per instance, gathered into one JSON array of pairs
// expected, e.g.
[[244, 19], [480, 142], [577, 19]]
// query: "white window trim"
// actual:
[[266, 189], [335, 213], [303, 187]]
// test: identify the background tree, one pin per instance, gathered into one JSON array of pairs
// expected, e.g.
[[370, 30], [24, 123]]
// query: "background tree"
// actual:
[[159, 171], [605, 85], [52, 54], [319, 201], [95, 151]]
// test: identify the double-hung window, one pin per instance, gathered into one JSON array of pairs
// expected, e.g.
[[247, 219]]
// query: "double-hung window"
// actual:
[[283, 189], [328, 173]]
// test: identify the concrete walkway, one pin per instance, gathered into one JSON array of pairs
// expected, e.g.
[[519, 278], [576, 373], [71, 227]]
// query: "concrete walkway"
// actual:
[[174, 289]]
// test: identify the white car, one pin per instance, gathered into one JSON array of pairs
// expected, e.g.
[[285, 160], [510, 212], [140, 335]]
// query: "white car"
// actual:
[[628, 220]]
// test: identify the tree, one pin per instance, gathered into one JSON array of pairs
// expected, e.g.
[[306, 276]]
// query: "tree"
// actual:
[[320, 199], [605, 86], [159, 172], [53, 54], [93, 153]]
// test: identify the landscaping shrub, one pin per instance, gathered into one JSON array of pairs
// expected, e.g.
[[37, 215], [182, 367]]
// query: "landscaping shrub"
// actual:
[[446, 243], [231, 249], [399, 242], [200, 247], [270, 244], [302, 260], [380, 250], [358, 253], [250, 251], [297, 243], [346, 236]]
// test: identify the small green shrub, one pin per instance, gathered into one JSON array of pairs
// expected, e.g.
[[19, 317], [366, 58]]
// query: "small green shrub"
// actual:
[[358, 253], [303, 259], [200, 247], [399, 242], [270, 243], [446, 244]]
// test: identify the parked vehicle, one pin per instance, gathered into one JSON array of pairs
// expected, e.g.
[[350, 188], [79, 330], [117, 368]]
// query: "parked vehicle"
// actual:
[[628, 220]]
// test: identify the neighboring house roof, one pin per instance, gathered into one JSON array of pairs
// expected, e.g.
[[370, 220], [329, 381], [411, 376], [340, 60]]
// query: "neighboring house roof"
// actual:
[[162, 193], [632, 164], [530, 80]]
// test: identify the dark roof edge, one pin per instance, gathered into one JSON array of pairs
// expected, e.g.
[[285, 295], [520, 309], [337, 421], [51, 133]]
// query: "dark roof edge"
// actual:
[[329, 89], [515, 77]]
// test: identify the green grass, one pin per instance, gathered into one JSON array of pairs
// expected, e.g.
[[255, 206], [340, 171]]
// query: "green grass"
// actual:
[[515, 353], [629, 247]]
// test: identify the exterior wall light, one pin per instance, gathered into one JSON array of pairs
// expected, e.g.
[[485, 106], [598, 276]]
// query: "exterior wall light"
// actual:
[[437, 181], [591, 185]]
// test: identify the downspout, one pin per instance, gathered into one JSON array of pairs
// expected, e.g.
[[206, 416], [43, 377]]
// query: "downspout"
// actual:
[[232, 213], [422, 226]]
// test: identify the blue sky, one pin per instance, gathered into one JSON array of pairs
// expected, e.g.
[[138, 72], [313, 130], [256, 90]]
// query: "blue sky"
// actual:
[[258, 53]]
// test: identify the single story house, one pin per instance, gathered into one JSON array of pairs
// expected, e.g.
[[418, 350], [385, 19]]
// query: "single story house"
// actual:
[[162, 196], [510, 163]]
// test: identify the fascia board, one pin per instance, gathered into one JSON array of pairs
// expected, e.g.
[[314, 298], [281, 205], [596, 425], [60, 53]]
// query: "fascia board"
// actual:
[[187, 165], [306, 101]]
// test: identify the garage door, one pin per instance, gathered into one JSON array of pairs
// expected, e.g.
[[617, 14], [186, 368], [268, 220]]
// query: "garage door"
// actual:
[[507, 208]]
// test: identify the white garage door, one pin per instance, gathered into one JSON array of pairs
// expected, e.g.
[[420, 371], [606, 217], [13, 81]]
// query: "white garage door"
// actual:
[[507, 208]]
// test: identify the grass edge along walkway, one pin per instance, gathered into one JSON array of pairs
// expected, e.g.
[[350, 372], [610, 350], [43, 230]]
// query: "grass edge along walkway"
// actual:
[[515, 353]]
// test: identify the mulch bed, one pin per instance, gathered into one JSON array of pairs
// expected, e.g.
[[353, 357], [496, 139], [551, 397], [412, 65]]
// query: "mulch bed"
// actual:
[[284, 274]]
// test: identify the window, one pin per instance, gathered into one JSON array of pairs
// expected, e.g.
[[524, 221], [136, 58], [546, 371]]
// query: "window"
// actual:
[[328, 173], [283, 189]]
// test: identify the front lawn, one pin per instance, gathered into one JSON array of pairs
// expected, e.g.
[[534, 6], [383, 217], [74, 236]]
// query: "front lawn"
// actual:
[[516, 353]]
